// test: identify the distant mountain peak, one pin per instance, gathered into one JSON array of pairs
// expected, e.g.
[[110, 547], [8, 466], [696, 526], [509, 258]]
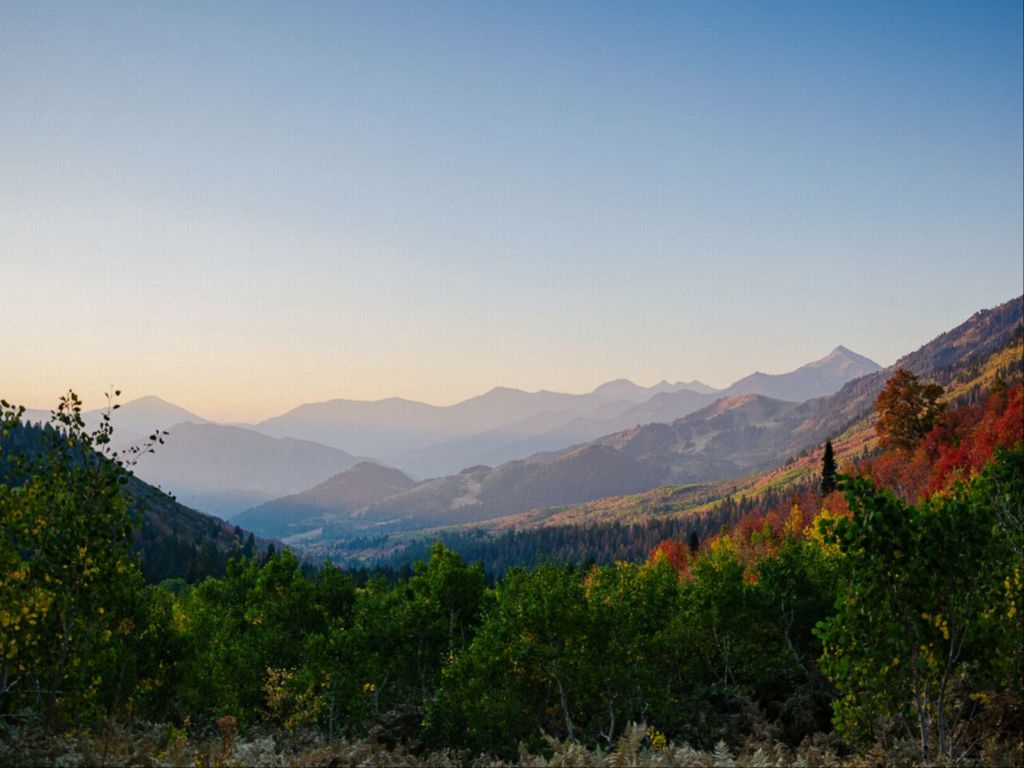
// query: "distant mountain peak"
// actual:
[[339, 495], [374, 467], [843, 356], [502, 390], [815, 379], [846, 352], [696, 386], [619, 389], [148, 400], [139, 417]]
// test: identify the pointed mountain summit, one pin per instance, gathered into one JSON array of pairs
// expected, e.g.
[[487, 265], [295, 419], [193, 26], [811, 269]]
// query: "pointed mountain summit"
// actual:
[[815, 379], [138, 418], [842, 359]]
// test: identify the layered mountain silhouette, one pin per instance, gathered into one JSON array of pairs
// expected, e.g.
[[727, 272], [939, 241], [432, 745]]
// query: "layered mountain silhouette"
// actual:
[[619, 439], [507, 424], [429, 440], [224, 470], [729, 437], [669, 402]]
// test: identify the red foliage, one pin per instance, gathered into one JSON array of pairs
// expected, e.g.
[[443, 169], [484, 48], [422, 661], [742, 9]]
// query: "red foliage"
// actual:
[[960, 444], [677, 553]]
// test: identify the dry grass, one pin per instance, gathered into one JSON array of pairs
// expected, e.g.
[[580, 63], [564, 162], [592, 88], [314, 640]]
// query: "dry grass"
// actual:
[[165, 745]]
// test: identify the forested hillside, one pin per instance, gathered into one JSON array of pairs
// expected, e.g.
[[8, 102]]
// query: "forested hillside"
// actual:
[[171, 540]]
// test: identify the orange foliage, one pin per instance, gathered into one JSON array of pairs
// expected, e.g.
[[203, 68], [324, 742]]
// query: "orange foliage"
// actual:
[[960, 444], [758, 534], [677, 553]]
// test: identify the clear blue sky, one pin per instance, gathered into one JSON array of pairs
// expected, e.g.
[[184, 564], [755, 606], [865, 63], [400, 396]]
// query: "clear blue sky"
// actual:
[[241, 207]]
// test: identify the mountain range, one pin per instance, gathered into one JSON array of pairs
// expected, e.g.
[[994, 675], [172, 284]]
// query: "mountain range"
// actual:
[[506, 424], [565, 449], [732, 436], [226, 469]]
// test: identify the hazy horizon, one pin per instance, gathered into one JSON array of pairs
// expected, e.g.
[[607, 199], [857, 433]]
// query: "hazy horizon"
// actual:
[[97, 400], [243, 208]]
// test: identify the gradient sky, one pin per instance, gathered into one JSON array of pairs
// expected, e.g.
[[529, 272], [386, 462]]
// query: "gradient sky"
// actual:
[[242, 207]]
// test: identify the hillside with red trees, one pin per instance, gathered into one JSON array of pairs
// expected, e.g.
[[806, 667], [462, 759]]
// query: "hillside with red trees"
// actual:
[[960, 442]]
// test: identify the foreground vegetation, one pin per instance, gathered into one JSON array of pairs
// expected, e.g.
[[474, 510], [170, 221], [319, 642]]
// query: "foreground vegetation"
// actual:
[[879, 621]]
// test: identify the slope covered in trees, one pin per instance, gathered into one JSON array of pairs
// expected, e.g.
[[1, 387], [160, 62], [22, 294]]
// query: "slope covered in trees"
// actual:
[[172, 540]]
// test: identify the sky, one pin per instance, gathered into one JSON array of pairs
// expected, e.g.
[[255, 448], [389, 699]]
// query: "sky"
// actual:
[[241, 207]]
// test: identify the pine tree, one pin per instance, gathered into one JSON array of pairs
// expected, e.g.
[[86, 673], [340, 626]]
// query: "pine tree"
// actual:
[[828, 470]]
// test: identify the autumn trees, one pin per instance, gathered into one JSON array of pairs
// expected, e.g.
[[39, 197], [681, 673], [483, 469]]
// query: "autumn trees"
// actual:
[[927, 627], [907, 409]]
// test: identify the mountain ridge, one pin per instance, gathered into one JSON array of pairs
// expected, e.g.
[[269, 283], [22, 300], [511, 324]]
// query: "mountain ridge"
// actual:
[[817, 378], [345, 492], [729, 437], [431, 441]]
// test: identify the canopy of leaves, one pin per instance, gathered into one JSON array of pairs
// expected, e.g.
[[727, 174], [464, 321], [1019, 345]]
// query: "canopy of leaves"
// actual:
[[907, 409]]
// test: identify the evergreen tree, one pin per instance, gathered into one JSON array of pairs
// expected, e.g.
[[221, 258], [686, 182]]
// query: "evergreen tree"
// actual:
[[250, 546], [828, 470]]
